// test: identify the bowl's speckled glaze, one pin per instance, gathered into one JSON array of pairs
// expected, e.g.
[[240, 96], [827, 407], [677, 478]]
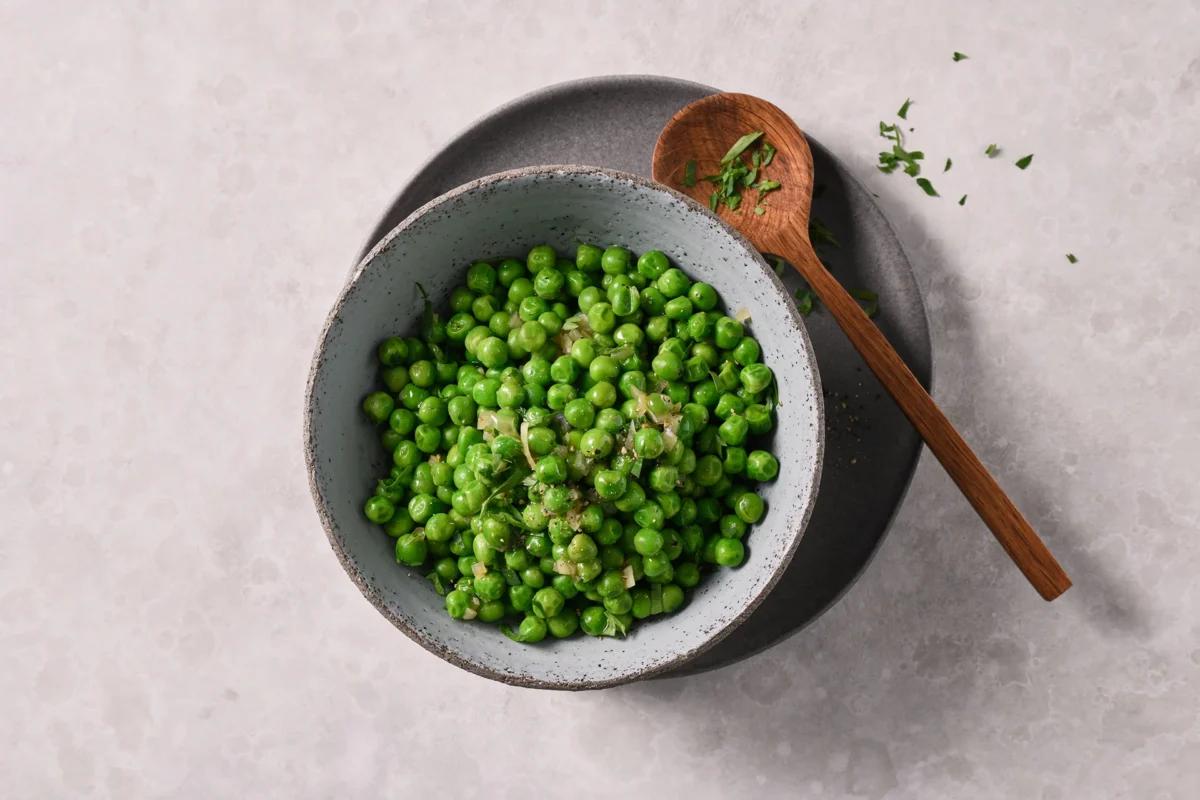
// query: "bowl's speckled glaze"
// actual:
[[503, 215]]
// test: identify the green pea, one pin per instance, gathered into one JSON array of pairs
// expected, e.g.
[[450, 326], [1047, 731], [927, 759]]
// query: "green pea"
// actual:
[[604, 368], [632, 499], [619, 604], [735, 460], [749, 507], [551, 469], [379, 509], [648, 443], [648, 541], [378, 406], [579, 413], [756, 377], [672, 597], [392, 351], [679, 308], [673, 283], [588, 257], [629, 335], [601, 318], [558, 395], [596, 443], [582, 548], [563, 624], [656, 565], [593, 620], [652, 264], [547, 602], [733, 431], [732, 526], [650, 515], [728, 406], [557, 499], [761, 466], [457, 603], [411, 549], [728, 333], [708, 471], [602, 395], [609, 484], [481, 277], [668, 366], [541, 257], [703, 296], [728, 552], [583, 351], [615, 260]]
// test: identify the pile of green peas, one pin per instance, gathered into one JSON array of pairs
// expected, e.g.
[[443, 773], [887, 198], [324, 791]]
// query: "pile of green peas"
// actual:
[[574, 446]]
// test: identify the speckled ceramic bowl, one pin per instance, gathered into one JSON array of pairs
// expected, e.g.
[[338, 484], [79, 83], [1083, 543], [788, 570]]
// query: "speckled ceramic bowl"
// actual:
[[503, 215]]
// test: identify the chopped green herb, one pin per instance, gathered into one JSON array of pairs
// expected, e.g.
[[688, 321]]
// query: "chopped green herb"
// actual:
[[819, 234], [806, 301], [868, 300], [733, 201], [927, 187], [768, 153], [689, 174], [1071, 257], [991, 151], [959, 56], [750, 177], [780, 265], [767, 186], [740, 146], [962, 201], [949, 163], [903, 112], [1024, 161], [713, 199], [436, 580], [759, 211], [890, 161]]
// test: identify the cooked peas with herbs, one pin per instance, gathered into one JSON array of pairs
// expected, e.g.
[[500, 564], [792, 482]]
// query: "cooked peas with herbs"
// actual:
[[575, 442]]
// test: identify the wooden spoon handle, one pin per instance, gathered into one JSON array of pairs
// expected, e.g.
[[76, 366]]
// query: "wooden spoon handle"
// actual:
[[1003, 518]]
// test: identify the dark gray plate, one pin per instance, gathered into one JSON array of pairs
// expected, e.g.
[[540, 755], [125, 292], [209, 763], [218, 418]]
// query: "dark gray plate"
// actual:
[[871, 450]]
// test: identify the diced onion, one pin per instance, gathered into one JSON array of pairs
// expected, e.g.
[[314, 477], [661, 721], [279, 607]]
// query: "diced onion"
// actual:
[[478, 569], [742, 315], [564, 567], [525, 444], [627, 574]]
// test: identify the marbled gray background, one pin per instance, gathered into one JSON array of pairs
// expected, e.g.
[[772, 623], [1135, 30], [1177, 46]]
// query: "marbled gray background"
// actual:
[[183, 186]]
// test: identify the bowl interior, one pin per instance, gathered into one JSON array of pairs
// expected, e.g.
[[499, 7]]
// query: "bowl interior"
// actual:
[[505, 215]]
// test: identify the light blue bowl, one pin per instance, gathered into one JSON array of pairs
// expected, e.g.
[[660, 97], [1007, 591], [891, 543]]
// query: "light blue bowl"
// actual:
[[503, 215]]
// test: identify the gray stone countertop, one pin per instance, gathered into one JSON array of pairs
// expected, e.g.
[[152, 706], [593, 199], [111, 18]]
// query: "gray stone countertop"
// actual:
[[182, 191]]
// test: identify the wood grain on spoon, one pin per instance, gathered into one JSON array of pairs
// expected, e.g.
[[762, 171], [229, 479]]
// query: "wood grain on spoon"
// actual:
[[703, 132]]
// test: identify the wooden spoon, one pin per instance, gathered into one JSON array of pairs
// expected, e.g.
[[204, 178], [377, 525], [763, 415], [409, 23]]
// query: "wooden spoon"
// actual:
[[702, 132]]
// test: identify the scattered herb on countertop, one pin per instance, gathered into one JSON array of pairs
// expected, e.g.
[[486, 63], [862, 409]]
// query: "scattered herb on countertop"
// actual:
[[962, 201], [1024, 161], [959, 56], [927, 187], [991, 151], [1071, 257], [903, 112], [949, 163], [898, 156]]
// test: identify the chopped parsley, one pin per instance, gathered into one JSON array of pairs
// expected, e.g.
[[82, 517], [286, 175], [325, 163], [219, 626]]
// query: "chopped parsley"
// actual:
[[949, 163], [903, 112], [740, 146], [868, 300], [736, 175], [1071, 257], [959, 56], [962, 201], [1024, 161], [991, 151], [819, 234], [689, 173], [927, 187], [898, 156], [806, 301]]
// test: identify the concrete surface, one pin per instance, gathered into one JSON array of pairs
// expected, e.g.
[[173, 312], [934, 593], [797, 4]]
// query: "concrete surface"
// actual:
[[183, 186]]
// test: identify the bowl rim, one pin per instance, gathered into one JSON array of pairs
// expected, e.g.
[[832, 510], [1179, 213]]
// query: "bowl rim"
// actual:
[[453, 656]]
